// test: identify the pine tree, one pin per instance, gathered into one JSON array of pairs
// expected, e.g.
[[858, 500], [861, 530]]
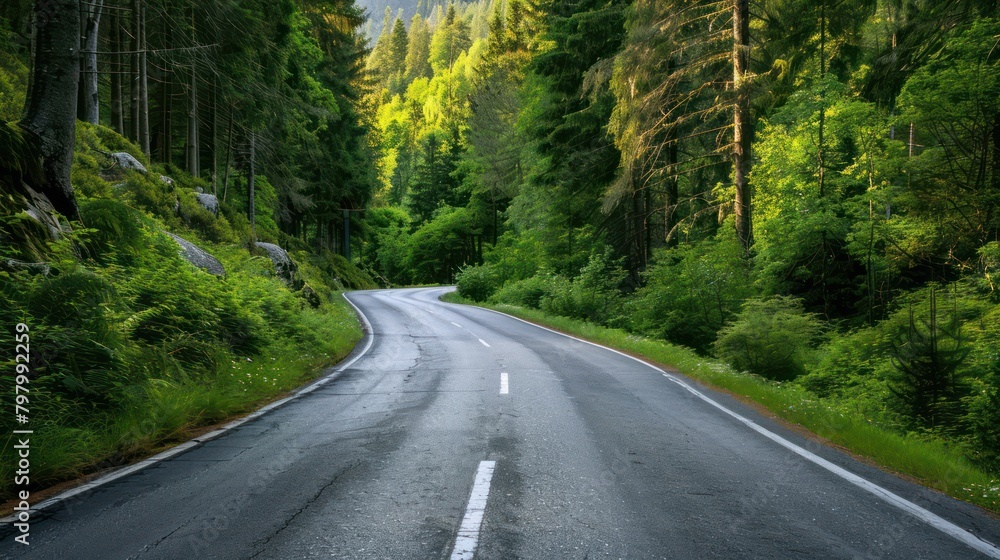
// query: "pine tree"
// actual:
[[926, 356], [418, 51], [398, 47]]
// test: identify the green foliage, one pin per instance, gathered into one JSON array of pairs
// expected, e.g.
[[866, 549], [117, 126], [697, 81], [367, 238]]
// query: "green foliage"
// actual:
[[450, 39], [13, 77], [692, 291], [441, 246], [954, 105], [983, 416], [593, 295], [435, 184], [773, 338], [936, 464], [333, 271], [926, 356], [528, 292], [851, 371], [478, 283], [115, 231], [818, 240], [387, 236]]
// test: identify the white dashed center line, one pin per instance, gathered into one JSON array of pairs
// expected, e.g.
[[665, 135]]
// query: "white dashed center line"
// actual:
[[484, 343], [504, 388], [468, 533]]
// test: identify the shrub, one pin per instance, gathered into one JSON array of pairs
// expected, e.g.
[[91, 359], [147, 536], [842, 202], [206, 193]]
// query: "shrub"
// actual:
[[594, 295], [526, 293], [771, 337], [478, 282], [691, 291], [598, 289]]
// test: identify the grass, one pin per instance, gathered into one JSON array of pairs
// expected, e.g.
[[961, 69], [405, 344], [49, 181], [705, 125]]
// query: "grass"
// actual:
[[135, 350], [932, 463], [169, 412]]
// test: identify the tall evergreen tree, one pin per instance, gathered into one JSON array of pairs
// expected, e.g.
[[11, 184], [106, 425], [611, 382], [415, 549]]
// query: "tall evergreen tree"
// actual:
[[418, 51], [399, 44]]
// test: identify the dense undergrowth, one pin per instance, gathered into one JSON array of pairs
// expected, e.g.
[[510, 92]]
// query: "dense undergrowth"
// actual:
[[937, 463], [928, 368], [131, 346]]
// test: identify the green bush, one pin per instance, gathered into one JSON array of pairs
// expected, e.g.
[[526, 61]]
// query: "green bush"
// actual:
[[773, 338], [89, 184], [691, 291], [151, 195], [478, 282], [594, 295], [525, 293], [387, 232], [441, 246], [559, 299], [195, 216]]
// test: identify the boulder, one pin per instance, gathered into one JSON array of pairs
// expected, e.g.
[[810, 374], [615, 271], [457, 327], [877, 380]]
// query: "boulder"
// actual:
[[125, 161], [166, 180], [198, 256], [209, 202], [284, 266]]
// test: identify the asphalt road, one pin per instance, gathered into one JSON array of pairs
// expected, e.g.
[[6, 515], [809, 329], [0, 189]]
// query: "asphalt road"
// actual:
[[462, 430]]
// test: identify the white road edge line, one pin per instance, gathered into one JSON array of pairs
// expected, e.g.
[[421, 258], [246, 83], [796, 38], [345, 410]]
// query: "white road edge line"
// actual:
[[504, 386], [468, 533], [484, 343], [947, 527], [195, 442]]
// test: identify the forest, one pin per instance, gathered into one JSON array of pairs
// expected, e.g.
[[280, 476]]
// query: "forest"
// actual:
[[136, 137], [806, 190]]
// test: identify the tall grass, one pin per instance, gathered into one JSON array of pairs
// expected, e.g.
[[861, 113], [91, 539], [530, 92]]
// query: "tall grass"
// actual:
[[931, 462]]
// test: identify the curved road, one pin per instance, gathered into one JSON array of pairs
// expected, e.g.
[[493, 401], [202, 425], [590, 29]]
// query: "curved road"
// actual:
[[461, 432]]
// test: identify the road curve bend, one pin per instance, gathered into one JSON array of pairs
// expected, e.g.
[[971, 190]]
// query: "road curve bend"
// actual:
[[462, 433]]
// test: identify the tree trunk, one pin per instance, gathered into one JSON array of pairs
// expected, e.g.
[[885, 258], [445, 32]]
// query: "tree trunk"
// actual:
[[117, 119], [672, 196], [143, 84], [166, 117], [742, 125], [134, 73], [194, 142], [88, 105], [166, 138], [50, 104], [251, 211], [214, 140], [822, 99], [229, 152]]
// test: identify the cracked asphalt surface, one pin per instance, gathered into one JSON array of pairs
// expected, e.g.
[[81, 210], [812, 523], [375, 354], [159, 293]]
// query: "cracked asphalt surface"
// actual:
[[597, 456]]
